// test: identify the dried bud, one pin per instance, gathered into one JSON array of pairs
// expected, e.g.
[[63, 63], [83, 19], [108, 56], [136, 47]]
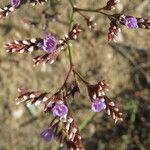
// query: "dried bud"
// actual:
[[73, 34], [75, 90], [112, 110], [34, 2], [91, 24], [45, 58], [32, 97], [15, 4], [114, 32], [6, 10], [143, 23], [97, 90], [110, 4], [72, 90]]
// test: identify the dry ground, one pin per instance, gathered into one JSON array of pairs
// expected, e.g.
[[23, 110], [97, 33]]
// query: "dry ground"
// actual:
[[125, 66]]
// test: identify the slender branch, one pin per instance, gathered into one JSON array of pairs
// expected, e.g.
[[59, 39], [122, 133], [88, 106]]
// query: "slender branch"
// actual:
[[108, 15], [71, 3], [67, 77], [70, 54], [76, 9], [79, 10], [87, 10], [81, 78], [70, 28]]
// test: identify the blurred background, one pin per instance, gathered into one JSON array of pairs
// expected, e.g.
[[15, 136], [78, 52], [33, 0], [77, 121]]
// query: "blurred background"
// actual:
[[126, 65]]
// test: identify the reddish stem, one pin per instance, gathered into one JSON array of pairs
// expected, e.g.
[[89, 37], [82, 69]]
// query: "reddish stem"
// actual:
[[81, 78]]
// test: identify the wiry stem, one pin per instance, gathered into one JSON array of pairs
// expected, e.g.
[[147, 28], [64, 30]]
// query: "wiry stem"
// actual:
[[80, 77], [70, 28], [87, 10], [67, 77], [71, 3]]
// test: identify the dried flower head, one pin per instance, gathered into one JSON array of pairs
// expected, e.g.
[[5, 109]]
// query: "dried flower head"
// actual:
[[110, 4], [97, 90], [114, 32], [112, 110], [100, 101], [48, 44], [91, 23], [6, 10], [143, 23], [67, 133], [34, 2], [73, 34], [63, 126], [23, 46], [130, 21]]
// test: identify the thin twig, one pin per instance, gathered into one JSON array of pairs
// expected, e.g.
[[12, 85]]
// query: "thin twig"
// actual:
[[71, 3], [81, 78]]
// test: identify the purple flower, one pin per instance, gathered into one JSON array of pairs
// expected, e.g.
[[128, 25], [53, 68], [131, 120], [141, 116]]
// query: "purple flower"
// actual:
[[15, 3], [98, 105], [60, 109], [49, 43], [131, 22], [47, 134]]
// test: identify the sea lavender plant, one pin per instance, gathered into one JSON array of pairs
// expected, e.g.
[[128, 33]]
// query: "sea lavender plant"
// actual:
[[63, 125]]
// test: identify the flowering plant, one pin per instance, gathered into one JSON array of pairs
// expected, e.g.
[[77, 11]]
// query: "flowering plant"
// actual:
[[63, 125]]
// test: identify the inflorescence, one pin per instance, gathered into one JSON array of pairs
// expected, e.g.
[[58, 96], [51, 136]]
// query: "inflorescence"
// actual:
[[63, 125]]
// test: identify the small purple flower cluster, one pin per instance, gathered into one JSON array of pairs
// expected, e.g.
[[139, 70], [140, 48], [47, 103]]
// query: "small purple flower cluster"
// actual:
[[15, 3], [49, 43], [98, 104], [131, 22], [47, 134], [59, 110]]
